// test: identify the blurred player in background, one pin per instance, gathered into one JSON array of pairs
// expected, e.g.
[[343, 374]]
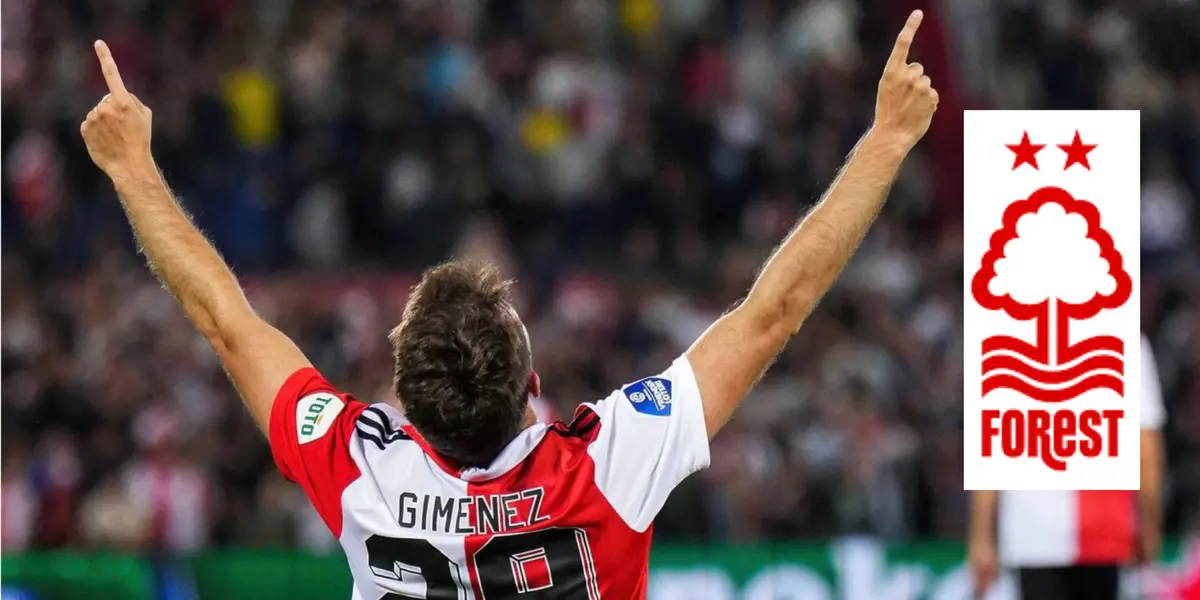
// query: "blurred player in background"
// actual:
[[462, 493], [1071, 545]]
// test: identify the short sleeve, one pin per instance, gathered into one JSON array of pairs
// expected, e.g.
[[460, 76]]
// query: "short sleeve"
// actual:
[[311, 427], [651, 436], [1153, 413]]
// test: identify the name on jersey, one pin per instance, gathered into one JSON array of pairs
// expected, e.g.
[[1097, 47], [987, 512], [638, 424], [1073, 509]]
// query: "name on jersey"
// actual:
[[315, 415], [472, 515], [651, 396]]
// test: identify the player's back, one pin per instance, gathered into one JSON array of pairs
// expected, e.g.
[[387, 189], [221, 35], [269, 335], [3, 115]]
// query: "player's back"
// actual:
[[564, 511]]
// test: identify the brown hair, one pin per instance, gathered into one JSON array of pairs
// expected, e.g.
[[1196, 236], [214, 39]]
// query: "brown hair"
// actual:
[[462, 362]]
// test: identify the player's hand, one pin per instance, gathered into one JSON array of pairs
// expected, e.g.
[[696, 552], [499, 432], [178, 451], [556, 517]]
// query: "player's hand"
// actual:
[[117, 130], [906, 100], [981, 556]]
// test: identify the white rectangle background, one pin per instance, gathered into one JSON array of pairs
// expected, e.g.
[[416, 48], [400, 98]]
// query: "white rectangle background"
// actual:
[[1056, 267]]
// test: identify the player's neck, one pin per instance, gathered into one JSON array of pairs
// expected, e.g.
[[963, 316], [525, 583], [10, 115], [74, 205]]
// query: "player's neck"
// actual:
[[531, 417]]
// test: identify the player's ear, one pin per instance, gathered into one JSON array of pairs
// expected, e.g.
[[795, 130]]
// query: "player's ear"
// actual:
[[535, 384]]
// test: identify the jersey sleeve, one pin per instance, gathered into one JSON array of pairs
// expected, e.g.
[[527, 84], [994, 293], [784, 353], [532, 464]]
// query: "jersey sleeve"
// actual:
[[1153, 413], [651, 436], [310, 432]]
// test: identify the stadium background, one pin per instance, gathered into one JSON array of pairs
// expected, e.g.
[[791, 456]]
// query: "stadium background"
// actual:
[[630, 162]]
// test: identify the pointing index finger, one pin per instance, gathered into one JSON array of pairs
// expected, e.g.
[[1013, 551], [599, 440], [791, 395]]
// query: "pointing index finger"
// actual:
[[108, 66], [899, 55]]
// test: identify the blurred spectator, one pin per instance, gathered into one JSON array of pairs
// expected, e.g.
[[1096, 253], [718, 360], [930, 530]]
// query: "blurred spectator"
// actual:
[[18, 502], [164, 486], [109, 520]]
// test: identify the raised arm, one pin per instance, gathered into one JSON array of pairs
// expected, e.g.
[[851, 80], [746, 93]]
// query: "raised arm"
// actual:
[[257, 357], [731, 356]]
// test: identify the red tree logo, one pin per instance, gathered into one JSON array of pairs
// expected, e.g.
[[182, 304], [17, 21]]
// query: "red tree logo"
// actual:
[[1052, 262]]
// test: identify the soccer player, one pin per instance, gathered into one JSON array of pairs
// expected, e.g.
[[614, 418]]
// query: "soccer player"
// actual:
[[1071, 545], [457, 492]]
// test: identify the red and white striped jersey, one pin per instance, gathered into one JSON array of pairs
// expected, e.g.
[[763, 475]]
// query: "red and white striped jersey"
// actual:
[[564, 511], [1059, 528]]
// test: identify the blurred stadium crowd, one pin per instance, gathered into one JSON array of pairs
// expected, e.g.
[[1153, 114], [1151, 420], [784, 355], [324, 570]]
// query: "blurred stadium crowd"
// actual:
[[629, 161]]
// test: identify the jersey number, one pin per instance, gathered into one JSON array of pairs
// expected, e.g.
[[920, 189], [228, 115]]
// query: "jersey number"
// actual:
[[549, 564]]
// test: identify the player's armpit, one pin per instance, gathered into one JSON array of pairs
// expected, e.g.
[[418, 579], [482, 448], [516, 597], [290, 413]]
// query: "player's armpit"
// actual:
[[259, 359]]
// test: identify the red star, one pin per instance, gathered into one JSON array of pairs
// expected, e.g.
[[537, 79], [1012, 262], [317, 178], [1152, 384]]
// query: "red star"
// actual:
[[1025, 151], [1077, 152]]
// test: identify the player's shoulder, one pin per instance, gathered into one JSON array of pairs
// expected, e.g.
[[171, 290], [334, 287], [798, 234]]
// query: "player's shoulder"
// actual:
[[318, 413], [652, 399], [381, 425], [583, 426]]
